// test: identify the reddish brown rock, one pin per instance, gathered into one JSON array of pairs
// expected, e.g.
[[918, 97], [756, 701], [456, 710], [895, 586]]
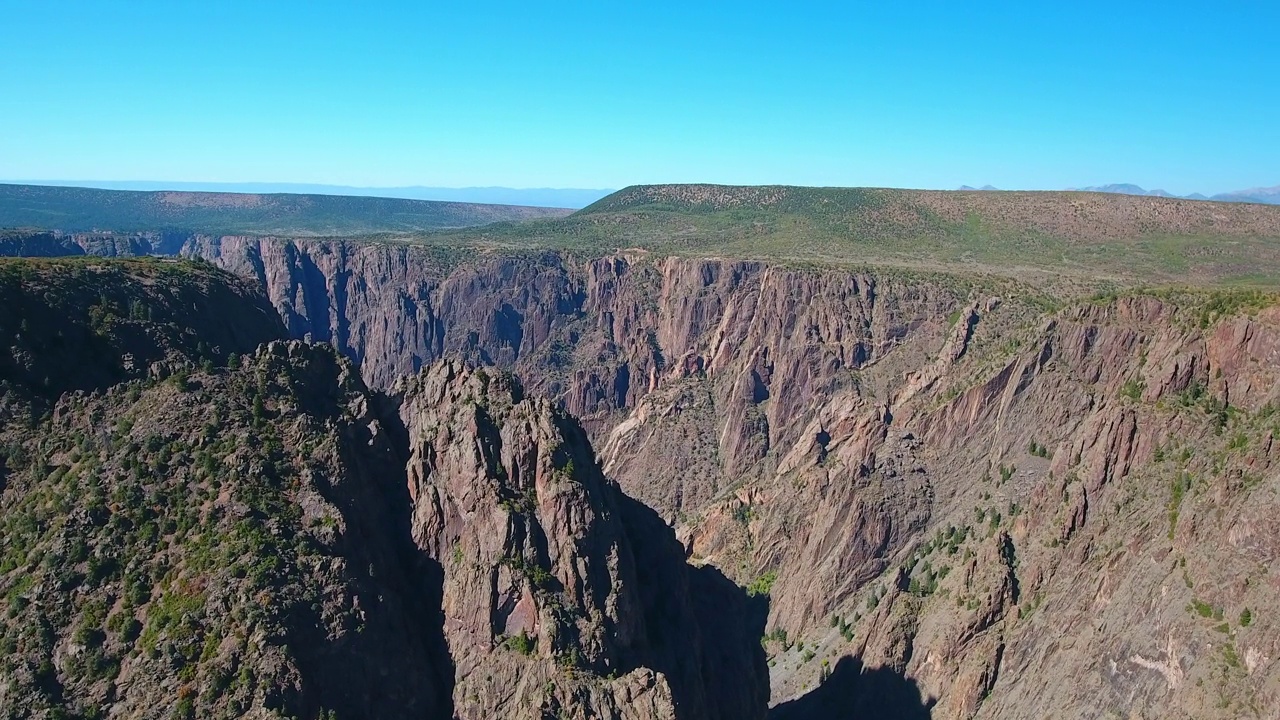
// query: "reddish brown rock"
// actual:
[[560, 593]]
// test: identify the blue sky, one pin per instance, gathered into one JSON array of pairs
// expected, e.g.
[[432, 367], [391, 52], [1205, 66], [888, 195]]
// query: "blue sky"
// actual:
[[1178, 95]]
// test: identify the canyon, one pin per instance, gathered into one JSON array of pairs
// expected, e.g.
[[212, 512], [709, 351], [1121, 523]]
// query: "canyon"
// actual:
[[237, 526], [996, 468], [637, 483]]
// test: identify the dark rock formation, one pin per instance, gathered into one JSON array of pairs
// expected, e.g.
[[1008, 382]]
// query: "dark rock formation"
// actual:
[[203, 532], [561, 594]]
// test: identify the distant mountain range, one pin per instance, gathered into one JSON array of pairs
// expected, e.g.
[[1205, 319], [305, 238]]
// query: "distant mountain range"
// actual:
[[572, 198], [1267, 196]]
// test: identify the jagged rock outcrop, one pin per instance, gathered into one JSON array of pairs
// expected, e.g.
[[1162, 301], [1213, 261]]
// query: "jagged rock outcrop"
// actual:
[[724, 360], [563, 597]]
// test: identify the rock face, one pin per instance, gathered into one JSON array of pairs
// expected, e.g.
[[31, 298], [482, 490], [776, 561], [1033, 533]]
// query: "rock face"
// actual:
[[1070, 505], [936, 465], [230, 533], [957, 494], [748, 344], [562, 595]]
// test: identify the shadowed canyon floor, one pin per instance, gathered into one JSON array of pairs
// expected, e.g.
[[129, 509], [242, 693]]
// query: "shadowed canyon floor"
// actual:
[[852, 691]]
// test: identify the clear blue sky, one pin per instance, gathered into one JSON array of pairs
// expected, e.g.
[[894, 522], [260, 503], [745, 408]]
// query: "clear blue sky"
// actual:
[[1179, 95]]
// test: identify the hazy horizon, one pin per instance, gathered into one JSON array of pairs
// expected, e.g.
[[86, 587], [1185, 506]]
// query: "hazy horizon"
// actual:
[[573, 198], [931, 95], [492, 194]]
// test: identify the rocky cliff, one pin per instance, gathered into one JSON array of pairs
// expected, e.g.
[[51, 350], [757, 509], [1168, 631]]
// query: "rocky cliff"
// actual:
[[241, 529], [1067, 519], [954, 490], [742, 349], [563, 597], [923, 471]]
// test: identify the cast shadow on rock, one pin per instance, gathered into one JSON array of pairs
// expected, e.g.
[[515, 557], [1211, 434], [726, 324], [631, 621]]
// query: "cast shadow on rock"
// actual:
[[397, 665], [854, 692]]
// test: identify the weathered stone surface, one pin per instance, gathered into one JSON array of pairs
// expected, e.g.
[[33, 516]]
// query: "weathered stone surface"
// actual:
[[270, 537], [766, 410], [560, 592], [1021, 509]]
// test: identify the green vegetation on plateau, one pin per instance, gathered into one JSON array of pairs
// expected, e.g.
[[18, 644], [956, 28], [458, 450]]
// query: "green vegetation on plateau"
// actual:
[[1067, 242], [85, 209], [1093, 238]]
